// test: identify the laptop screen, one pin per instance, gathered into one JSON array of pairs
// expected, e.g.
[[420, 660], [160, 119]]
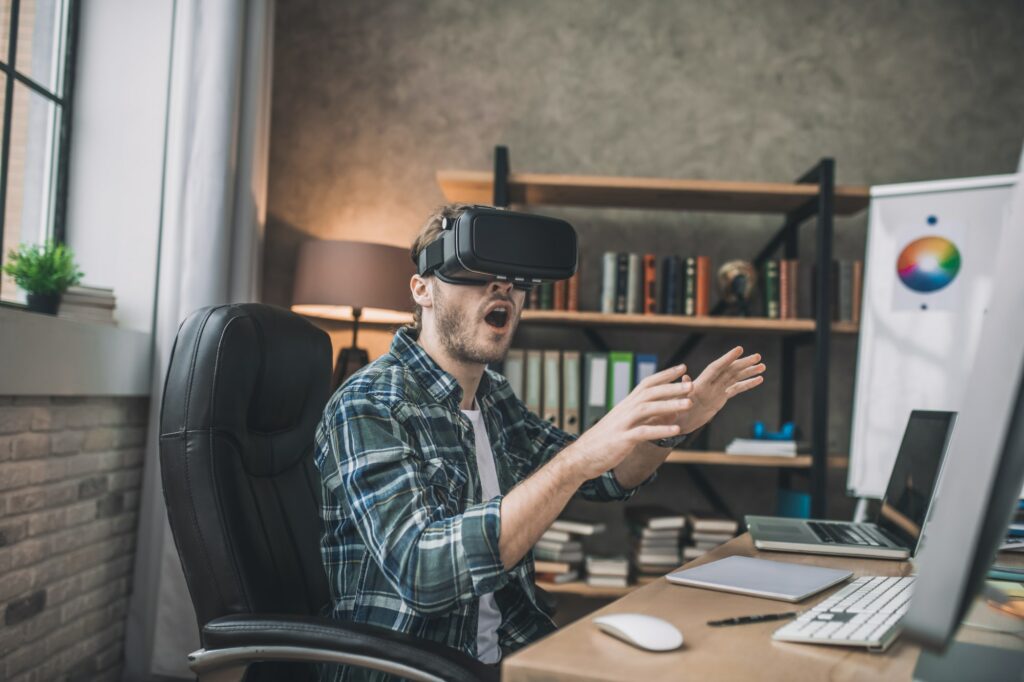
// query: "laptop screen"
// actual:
[[906, 500]]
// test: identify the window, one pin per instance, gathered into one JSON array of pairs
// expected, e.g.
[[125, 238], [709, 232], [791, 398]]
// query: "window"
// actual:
[[35, 67]]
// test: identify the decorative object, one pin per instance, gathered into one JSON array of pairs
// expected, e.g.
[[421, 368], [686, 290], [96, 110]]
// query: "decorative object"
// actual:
[[348, 280], [44, 272], [737, 282]]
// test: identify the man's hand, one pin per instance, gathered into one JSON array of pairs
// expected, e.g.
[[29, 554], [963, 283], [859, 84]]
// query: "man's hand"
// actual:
[[651, 411], [724, 378]]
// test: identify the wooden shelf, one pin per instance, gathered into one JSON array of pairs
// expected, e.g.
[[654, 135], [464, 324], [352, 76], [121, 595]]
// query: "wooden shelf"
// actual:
[[725, 459], [582, 589], [477, 187], [760, 325]]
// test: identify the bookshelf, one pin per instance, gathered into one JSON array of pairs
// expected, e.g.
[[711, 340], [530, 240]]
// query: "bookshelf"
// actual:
[[814, 195]]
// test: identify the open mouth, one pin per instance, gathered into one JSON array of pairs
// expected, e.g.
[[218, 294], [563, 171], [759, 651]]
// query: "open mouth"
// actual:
[[498, 315]]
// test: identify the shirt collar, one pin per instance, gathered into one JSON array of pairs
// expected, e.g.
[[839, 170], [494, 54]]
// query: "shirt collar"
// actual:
[[441, 385]]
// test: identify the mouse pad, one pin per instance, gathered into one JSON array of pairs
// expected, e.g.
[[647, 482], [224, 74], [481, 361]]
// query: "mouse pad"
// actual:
[[761, 578]]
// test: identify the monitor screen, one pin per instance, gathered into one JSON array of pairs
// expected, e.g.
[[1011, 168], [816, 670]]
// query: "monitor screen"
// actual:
[[914, 474]]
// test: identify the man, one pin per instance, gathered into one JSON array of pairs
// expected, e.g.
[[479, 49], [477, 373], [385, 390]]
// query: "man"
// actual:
[[437, 480]]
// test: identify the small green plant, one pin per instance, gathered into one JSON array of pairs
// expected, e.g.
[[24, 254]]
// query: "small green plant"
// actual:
[[43, 268]]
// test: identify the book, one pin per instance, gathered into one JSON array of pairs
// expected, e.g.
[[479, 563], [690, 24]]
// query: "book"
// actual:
[[845, 290], [689, 287], [765, 448], [595, 388], [771, 289], [553, 387], [654, 517], [702, 305], [534, 374], [558, 294], [551, 567], [609, 268], [620, 376], [792, 266], [857, 293], [552, 554], [571, 391], [671, 285], [607, 581], [712, 522], [597, 565], [556, 536], [668, 560], [572, 293], [634, 284], [560, 545], [660, 533], [578, 527], [650, 284], [705, 536], [546, 296], [621, 282], [558, 578], [533, 299], [514, 367], [691, 553]]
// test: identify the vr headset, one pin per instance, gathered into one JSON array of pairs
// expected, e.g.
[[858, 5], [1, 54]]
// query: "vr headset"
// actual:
[[485, 244]]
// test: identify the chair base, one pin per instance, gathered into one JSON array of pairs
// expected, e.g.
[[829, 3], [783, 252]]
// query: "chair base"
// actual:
[[229, 665]]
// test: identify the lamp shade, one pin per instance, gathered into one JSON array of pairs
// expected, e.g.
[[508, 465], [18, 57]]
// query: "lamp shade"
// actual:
[[372, 277]]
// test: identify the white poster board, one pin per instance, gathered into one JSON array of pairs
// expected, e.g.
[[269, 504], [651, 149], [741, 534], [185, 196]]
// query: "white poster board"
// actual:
[[931, 247]]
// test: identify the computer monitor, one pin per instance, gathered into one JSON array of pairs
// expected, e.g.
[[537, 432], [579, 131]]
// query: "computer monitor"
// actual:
[[984, 468]]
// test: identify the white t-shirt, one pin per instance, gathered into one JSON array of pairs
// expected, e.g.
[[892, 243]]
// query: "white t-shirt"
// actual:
[[487, 649]]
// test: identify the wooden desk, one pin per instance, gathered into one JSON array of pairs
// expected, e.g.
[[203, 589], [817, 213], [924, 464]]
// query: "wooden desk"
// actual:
[[582, 652]]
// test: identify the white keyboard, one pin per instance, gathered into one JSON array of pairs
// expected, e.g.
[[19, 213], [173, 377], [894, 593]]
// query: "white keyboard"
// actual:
[[864, 613]]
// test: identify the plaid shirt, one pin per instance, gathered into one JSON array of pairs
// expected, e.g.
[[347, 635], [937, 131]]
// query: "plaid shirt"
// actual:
[[408, 542]]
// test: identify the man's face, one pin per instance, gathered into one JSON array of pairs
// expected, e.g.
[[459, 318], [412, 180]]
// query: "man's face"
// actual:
[[476, 323]]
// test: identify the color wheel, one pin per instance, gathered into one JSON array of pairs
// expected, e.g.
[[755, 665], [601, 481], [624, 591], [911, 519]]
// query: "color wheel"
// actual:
[[928, 264]]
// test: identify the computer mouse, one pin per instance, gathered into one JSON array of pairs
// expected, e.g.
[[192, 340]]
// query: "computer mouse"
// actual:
[[644, 632]]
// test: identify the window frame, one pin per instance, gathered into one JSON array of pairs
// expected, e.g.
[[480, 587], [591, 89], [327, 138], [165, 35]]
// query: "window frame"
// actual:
[[9, 68]]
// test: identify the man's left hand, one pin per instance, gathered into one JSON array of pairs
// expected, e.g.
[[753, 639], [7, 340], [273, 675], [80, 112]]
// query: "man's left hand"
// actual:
[[724, 378]]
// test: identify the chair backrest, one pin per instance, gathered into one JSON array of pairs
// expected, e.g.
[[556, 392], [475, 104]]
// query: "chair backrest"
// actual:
[[245, 389]]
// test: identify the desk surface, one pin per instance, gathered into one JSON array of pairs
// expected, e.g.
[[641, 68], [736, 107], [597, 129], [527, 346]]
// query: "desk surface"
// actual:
[[580, 651]]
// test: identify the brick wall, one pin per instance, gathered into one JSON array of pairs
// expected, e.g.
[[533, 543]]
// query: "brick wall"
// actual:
[[70, 472]]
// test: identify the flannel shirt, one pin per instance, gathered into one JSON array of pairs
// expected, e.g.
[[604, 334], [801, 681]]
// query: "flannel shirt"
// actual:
[[408, 542]]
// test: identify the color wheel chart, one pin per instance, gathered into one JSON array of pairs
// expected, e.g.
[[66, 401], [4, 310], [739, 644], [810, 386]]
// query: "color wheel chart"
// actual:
[[928, 264]]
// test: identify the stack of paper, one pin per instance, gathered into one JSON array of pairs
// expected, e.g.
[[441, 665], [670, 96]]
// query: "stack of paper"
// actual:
[[766, 448]]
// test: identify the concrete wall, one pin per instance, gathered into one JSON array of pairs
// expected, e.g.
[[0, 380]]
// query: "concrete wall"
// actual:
[[371, 98]]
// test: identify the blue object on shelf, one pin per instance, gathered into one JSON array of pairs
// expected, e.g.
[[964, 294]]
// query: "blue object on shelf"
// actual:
[[793, 504], [787, 432]]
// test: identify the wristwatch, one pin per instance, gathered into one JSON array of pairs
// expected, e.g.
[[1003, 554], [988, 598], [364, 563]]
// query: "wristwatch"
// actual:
[[676, 441]]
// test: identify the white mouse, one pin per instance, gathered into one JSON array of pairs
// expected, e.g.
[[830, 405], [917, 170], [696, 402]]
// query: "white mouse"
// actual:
[[645, 632]]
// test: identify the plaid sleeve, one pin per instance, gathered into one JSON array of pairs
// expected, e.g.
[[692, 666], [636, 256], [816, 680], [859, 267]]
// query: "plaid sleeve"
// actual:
[[548, 440], [435, 561]]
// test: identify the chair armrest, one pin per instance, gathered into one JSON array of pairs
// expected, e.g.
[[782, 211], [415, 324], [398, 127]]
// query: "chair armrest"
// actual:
[[279, 637]]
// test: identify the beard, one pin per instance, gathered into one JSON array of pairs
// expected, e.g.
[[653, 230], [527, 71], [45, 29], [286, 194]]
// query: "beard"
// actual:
[[457, 332]]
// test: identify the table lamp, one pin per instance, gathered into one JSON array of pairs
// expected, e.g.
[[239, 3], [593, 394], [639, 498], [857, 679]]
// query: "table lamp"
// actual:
[[346, 280]]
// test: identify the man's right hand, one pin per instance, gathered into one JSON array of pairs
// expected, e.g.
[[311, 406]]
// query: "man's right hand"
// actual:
[[646, 414]]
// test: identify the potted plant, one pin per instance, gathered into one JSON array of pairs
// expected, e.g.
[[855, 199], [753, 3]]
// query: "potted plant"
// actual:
[[44, 272]]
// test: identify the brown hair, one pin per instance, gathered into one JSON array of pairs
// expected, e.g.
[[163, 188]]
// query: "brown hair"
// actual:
[[430, 231]]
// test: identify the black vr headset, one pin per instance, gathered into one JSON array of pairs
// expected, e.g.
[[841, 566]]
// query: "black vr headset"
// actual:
[[485, 244]]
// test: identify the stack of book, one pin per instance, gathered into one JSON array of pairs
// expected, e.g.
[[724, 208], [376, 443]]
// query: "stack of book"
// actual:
[[558, 554], [88, 304], [707, 531], [638, 284], [761, 447], [657, 537], [607, 571]]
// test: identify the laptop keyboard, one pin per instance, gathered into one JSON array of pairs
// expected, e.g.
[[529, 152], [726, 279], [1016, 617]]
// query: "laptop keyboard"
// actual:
[[847, 534], [864, 613]]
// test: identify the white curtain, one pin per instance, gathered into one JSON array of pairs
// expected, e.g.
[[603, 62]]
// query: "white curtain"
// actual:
[[214, 209]]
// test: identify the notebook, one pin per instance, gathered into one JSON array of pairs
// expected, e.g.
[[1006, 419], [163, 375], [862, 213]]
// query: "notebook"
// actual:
[[761, 578]]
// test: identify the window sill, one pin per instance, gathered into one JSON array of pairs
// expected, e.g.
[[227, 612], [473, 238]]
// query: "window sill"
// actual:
[[47, 355]]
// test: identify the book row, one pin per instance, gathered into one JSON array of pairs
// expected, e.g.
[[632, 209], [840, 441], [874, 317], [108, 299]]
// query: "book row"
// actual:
[[574, 390], [784, 281]]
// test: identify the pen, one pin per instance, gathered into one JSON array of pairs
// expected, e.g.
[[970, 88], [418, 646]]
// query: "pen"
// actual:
[[743, 620]]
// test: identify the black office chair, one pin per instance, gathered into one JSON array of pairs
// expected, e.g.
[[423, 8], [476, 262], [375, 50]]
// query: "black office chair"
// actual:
[[245, 389]]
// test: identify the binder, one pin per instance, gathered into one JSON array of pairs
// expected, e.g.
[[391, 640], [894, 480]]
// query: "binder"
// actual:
[[620, 376], [595, 388], [534, 362], [646, 365], [571, 391], [514, 371], [553, 387]]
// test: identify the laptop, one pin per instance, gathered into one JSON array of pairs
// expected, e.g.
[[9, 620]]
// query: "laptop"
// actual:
[[897, 529]]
